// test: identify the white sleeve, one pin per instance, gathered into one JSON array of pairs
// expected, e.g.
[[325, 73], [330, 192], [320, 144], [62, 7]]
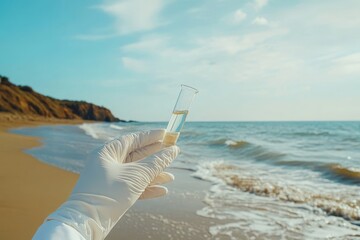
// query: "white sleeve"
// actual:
[[54, 230]]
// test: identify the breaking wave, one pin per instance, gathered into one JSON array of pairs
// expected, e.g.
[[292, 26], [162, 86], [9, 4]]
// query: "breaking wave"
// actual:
[[332, 171], [342, 173], [229, 143], [89, 130], [343, 206], [116, 127]]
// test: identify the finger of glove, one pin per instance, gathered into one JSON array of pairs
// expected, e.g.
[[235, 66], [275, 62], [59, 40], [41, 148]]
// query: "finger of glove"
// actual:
[[144, 152], [118, 150], [153, 192], [157, 162], [138, 140], [162, 178]]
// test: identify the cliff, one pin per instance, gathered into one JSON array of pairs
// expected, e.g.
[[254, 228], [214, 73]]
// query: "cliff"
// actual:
[[24, 100]]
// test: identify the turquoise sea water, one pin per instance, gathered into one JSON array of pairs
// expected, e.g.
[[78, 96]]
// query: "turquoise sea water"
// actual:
[[290, 180]]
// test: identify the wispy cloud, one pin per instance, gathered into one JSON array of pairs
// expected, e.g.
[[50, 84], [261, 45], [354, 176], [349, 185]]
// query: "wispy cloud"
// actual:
[[260, 4], [239, 16], [147, 44], [235, 17], [344, 16], [235, 43], [134, 15], [349, 64], [208, 59], [260, 21], [133, 64]]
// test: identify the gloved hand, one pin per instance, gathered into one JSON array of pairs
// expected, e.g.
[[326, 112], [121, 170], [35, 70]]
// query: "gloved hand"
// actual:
[[124, 170]]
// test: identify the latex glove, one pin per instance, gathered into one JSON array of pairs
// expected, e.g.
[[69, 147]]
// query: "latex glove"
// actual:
[[111, 183]]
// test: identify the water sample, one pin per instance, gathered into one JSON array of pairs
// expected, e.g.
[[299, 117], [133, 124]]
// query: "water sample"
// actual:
[[179, 115]]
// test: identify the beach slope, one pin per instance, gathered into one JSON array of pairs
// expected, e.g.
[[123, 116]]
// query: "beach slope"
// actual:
[[30, 190]]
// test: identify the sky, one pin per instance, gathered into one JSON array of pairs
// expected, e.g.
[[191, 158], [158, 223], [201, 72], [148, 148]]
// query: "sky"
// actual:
[[256, 60]]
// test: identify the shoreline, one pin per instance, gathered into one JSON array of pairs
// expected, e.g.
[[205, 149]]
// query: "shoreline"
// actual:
[[30, 189]]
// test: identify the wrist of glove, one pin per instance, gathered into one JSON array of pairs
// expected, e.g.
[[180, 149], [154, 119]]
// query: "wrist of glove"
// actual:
[[125, 169]]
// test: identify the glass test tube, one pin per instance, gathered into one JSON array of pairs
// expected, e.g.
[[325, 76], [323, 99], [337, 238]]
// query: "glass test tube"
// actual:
[[179, 114]]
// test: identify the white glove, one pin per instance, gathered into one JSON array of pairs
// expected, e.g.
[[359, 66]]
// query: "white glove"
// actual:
[[125, 169]]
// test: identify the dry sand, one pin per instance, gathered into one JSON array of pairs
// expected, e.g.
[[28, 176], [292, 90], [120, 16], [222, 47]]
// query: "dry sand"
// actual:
[[30, 190]]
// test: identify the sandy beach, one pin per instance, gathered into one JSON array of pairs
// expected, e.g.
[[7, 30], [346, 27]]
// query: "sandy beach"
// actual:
[[30, 190]]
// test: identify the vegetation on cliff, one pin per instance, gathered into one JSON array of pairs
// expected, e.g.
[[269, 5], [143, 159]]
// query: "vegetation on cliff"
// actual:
[[24, 100]]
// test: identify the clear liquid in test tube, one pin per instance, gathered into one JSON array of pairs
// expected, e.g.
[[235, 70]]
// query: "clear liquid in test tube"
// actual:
[[179, 114]]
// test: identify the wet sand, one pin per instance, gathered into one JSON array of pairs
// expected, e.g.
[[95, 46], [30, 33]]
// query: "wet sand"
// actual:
[[170, 217]]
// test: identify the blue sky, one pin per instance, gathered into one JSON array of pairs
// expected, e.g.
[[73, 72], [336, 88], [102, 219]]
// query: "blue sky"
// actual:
[[251, 60]]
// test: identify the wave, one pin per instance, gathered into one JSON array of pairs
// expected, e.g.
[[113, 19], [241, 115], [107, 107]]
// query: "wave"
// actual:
[[98, 131], [346, 207], [89, 130], [116, 127], [236, 144], [310, 134], [332, 171], [248, 150], [343, 173], [262, 154], [332, 205], [229, 143]]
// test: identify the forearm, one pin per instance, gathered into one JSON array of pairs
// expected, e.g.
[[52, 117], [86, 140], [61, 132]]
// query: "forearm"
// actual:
[[54, 230]]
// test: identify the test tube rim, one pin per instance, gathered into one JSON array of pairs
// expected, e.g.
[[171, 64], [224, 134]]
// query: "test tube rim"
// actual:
[[184, 85]]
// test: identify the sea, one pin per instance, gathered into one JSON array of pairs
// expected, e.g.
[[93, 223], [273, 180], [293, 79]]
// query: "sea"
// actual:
[[281, 180]]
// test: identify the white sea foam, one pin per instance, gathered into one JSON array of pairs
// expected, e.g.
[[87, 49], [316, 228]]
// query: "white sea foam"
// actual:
[[230, 142], [354, 169], [89, 130], [261, 204], [100, 131], [205, 172], [116, 127]]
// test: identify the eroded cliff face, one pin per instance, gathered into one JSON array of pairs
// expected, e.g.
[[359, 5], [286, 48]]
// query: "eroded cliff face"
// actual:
[[24, 100]]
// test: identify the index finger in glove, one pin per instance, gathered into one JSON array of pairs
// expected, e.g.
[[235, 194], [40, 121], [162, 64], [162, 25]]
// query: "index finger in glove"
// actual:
[[144, 152], [138, 140], [118, 150]]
